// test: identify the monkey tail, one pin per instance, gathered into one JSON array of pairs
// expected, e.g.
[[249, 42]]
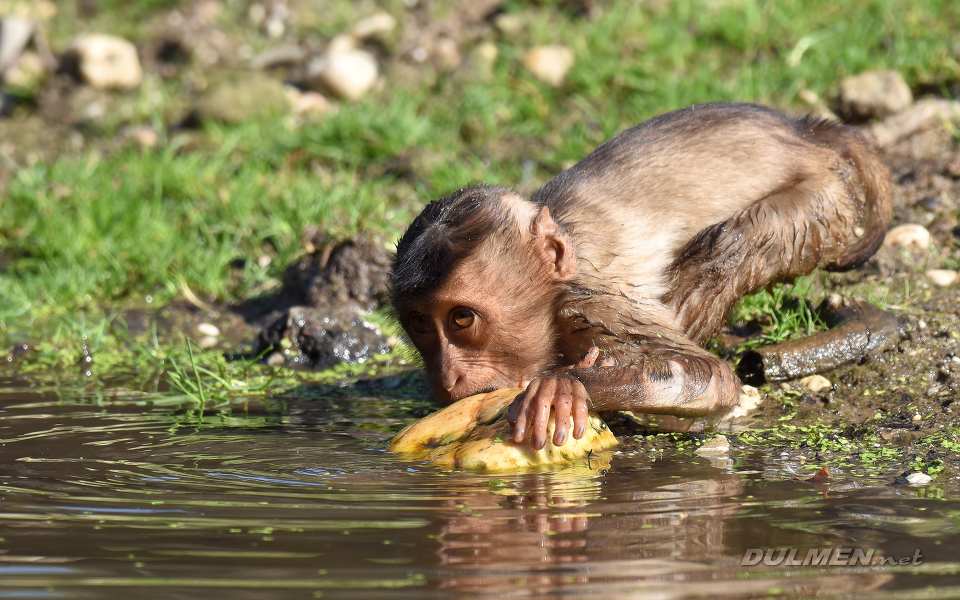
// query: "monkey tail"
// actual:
[[859, 152]]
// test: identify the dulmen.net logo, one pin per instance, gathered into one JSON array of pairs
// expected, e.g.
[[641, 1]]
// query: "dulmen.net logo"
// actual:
[[824, 557]]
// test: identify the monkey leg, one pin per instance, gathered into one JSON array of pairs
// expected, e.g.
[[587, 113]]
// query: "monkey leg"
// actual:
[[832, 212], [788, 233]]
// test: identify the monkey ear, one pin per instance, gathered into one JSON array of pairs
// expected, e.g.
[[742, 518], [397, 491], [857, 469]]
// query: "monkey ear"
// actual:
[[553, 246]]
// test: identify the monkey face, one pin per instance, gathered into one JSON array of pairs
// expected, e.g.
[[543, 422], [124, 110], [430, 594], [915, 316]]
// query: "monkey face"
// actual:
[[476, 334]]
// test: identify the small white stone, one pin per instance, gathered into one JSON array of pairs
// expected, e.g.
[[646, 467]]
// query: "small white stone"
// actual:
[[718, 446], [308, 102], [350, 74], [263, 261], [816, 383], [925, 114], [419, 54], [147, 137], [207, 342], [808, 96], [208, 329], [377, 24], [750, 400], [106, 62], [275, 359], [274, 27], [943, 277], [510, 25], [918, 479], [257, 13], [340, 44], [549, 64], [446, 54], [15, 34], [483, 59], [910, 234], [875, 93], [916, 418]]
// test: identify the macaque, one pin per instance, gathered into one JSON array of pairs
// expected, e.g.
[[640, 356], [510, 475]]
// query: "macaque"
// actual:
[[599, 291]]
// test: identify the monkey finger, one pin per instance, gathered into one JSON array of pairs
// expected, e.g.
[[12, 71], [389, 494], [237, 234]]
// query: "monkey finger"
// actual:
[[580, 412], [561, 416], [524, 382], [520, 412], [588, 359], [541, 406], [608, 361]]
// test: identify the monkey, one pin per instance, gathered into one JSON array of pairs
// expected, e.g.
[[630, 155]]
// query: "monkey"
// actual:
[[600, 290]]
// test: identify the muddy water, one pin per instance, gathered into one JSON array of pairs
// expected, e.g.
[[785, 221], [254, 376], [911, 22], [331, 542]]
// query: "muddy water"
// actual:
[[101, 496]]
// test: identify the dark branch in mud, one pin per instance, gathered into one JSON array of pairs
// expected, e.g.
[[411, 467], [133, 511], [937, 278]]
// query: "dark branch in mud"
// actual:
[[857, 329]]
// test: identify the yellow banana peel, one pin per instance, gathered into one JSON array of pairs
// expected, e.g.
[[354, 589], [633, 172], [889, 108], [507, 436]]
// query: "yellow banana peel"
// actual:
[[474, 434]]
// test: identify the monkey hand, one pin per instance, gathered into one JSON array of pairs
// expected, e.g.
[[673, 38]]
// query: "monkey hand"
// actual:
[[530, 412], [589, 359]]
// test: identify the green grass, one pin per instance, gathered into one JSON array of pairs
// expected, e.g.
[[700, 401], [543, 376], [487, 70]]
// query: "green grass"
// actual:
[[111, 228], [785, 312]]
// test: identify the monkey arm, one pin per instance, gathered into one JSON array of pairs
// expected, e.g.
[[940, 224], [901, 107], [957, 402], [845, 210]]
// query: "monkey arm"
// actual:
[[687, 382], [684, 381]]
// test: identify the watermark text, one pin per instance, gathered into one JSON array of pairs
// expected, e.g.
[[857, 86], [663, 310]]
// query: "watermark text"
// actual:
[[824, 557]]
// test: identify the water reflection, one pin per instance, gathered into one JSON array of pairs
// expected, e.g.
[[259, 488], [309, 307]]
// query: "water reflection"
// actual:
[[109, 499]]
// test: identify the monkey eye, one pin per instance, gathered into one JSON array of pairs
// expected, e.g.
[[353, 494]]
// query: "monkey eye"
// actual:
[[420, 323], [463, 318]]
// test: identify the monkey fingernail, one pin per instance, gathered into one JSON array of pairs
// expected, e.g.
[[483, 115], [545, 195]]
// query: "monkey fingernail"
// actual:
[[578, 432], [560, 438]]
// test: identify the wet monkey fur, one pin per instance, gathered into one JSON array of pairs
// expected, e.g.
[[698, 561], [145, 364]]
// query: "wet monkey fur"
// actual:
[[600, 290]]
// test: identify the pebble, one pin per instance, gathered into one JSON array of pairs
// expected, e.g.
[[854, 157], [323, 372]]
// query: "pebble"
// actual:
[[718, 446], [275, 359], [446, 54], [340, 44], [483, 60], [943, 277], [235, 102], [280, 56], [750, 400], [925, 114], [549, 64], [376, 25], [918, 479], [307, 103], [15, 34], [208, 329], [816, 383], [910, 234], [146, 137], [509, 25], [207, 342], [348, 74], [874, 94], [105, 61]]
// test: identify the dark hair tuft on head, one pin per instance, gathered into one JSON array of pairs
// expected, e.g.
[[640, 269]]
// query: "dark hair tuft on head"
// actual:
[[448, 231]]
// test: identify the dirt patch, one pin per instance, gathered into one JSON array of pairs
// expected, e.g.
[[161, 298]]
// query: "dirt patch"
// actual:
[[319, 318]]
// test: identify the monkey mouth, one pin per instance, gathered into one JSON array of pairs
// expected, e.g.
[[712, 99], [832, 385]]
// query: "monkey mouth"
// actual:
[[483, 390]]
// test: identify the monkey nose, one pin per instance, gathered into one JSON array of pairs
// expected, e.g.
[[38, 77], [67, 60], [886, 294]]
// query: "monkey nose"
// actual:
[[445, 383]]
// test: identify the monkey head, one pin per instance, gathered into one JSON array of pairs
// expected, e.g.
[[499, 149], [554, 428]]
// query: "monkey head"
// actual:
[[475, 285]]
